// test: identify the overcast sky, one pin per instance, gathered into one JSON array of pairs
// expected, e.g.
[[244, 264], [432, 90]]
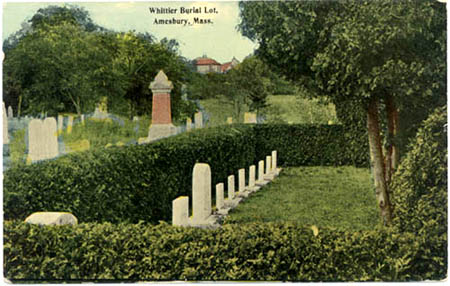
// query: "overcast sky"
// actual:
[[219, 40]]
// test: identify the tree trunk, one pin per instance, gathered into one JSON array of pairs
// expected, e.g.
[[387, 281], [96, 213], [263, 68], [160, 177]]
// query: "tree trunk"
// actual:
[[19, 106], [377, 162], [392, 148]]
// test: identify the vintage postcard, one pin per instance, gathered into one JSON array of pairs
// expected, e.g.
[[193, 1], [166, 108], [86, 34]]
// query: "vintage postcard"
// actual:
[[224, 141]]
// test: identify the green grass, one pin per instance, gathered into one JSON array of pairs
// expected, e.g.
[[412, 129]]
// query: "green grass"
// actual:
[[281, 109], [340, 197]]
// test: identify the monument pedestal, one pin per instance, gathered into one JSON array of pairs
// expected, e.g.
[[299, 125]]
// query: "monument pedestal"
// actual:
[[158, 131]]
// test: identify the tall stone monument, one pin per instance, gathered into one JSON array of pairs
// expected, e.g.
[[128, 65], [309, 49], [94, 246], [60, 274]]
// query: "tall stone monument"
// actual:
[[5, 126], [161, 125]]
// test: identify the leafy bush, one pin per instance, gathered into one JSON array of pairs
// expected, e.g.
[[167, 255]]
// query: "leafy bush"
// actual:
[[128, 183], [285, 252], [420, 183], [312, 145]]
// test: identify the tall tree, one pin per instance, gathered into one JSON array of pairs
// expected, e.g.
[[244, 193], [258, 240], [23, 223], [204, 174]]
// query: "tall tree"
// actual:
[[385, 58]]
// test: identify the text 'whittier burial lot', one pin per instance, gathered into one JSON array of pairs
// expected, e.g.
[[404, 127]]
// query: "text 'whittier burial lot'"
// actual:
[[184, 11]]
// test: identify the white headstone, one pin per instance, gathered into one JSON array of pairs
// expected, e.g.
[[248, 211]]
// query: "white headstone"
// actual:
[[268, 168], [251, 178], [198, 120], [261, 171], [180, 211], [5, 126], [51, 138], [219, 196], [82, 119], [274, 161], [60, 123], [36, 140], [10, 112], [241, 178], [231, 187], [135, 118], [201, 192], [52, 218]]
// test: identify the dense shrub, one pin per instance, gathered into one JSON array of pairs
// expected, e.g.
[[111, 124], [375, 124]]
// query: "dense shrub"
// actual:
[[420, 183], [125, 184], [312, 145], [132, 183], [233, 252]]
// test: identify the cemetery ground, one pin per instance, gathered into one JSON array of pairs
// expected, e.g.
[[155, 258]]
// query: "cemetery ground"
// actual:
[[333, 197]]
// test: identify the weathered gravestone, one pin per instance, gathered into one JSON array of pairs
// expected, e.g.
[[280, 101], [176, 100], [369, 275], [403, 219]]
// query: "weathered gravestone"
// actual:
[[161, 125], [42, 139], [260, 181], [198, 120], [231, 187], [201, 193], [180, 211], [10, 112], [220, 196], [5, 126], [51, 218], [241, 183], [230, 120], [51, 138]]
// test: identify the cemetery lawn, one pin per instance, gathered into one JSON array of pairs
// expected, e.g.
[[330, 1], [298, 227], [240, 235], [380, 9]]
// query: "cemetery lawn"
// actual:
[[338, 197]]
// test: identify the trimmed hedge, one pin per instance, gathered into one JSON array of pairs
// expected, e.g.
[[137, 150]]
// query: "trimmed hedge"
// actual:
[[129, 183], [132, 183], [261, 252], [312, 145]]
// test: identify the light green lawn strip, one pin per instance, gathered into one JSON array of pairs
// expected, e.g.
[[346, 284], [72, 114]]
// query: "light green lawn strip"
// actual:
[[340, 197]]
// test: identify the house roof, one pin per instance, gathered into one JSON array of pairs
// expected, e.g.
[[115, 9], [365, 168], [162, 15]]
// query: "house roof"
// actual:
[[205, 61], [225, 67]]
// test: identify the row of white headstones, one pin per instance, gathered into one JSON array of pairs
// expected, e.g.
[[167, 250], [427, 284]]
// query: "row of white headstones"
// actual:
[[202, 215]]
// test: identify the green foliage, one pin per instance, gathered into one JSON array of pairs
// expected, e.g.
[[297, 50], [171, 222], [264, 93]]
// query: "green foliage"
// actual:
[[257, 252], [128, 183], [311, 145], [339, 197], [133, 183], [420, 184]]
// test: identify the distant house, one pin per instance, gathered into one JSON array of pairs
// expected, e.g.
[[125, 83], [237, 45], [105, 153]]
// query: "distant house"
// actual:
[[207, 65], [229, 65]]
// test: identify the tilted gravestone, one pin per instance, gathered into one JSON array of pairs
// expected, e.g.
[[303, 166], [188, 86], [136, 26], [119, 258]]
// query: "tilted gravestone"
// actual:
[[5, 126], [201, 193], [161, 125]]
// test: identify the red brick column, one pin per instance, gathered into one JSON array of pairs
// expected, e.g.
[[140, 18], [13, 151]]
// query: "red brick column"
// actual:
[[161, 113]]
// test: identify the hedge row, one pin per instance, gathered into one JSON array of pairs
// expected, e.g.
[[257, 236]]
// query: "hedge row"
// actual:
[[132, 183], [261, 252], [312, 145], [125, 184]]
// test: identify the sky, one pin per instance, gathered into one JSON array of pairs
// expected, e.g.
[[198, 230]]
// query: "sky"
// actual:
[[219, 40]]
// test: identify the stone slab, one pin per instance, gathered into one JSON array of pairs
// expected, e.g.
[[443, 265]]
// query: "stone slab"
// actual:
[[52, 218]]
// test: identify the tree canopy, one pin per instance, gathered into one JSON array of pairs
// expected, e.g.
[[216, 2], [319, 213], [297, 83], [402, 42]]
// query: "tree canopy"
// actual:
[[382, 61]]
